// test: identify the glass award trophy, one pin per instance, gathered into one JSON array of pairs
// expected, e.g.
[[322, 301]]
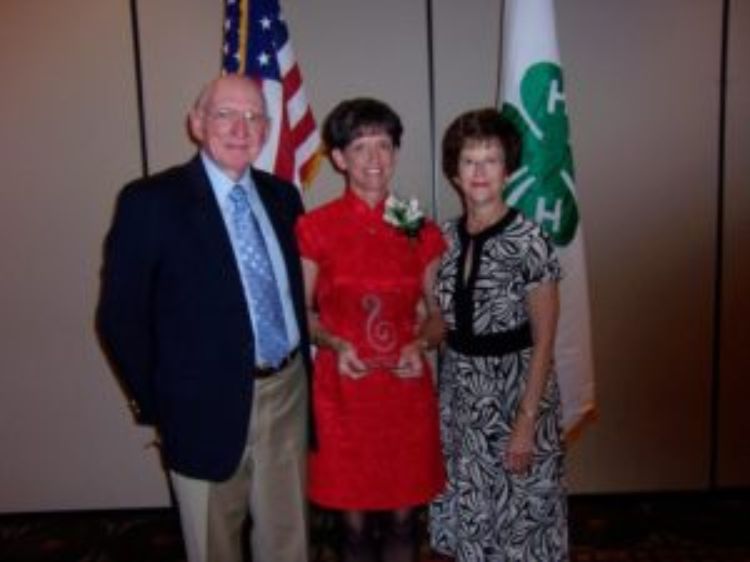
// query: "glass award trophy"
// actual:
[[380, 349]]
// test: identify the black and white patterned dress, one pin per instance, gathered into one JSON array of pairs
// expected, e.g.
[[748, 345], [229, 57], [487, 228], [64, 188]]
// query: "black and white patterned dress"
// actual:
[[485, 512]]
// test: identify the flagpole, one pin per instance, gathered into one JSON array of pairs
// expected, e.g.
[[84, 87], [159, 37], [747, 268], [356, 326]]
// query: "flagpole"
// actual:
[[431, 106], [139, 86], [719, 256]]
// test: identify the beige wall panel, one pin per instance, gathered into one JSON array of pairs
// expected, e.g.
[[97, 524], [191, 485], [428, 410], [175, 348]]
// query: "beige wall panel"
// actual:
[[466, 50], [640, 82], [69, 138], [180, 50], [734, 423], [643, 99]]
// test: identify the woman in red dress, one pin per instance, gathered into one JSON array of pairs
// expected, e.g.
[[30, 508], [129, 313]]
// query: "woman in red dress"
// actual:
[[372, 316]]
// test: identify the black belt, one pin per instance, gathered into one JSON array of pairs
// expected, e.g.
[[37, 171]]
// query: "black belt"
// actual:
[[265, 371], [493, 345]]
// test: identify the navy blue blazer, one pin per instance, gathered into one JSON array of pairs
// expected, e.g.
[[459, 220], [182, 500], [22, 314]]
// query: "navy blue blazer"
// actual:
[[172, 316]]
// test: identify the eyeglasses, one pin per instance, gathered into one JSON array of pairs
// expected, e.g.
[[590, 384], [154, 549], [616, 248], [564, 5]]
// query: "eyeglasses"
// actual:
[[225, 117]]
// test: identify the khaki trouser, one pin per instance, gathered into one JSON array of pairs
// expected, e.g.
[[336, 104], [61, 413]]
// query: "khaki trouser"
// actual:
[[269, 482]]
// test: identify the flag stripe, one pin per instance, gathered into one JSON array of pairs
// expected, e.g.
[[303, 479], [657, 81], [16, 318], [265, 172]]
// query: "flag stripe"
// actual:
[[293, 79], [297, 108], [286, 59], [305, 128], [308, 148]]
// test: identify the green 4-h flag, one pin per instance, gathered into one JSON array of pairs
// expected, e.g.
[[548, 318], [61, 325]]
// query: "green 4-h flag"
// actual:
[[533, 97]]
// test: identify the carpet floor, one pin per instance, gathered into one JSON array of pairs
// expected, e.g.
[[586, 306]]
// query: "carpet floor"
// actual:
[[686, 527]]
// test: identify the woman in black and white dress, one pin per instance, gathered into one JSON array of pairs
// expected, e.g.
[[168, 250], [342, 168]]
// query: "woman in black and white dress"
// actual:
[[499, 402]]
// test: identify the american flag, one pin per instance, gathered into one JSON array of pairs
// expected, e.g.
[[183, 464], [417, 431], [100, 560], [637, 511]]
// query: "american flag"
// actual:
[[256, 43]]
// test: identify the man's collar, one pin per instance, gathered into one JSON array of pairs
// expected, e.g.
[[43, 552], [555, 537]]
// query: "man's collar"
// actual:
[[219, 177]]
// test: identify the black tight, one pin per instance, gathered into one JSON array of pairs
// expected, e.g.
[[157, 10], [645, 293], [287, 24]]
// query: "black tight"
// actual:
[[357, 541], [400, 536], [389, 536]]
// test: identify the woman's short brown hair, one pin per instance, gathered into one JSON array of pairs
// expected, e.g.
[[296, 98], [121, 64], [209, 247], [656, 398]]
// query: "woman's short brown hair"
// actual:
[[355, 117], [485, 124]]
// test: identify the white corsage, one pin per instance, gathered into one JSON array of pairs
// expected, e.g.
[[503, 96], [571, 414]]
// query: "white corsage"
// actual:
[[404, 216]]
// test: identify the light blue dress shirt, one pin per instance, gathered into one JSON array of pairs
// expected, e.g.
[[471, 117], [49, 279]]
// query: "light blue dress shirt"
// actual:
[[221, 185]]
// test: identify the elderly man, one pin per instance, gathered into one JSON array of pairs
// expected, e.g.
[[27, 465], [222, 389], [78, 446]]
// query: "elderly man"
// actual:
[[202, 316]]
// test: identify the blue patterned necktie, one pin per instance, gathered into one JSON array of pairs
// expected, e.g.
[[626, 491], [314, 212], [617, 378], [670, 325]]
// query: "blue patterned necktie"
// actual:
[[257, 271]]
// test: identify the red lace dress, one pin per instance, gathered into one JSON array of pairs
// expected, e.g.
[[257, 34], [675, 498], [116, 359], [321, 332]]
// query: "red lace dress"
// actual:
[[378, 436]]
